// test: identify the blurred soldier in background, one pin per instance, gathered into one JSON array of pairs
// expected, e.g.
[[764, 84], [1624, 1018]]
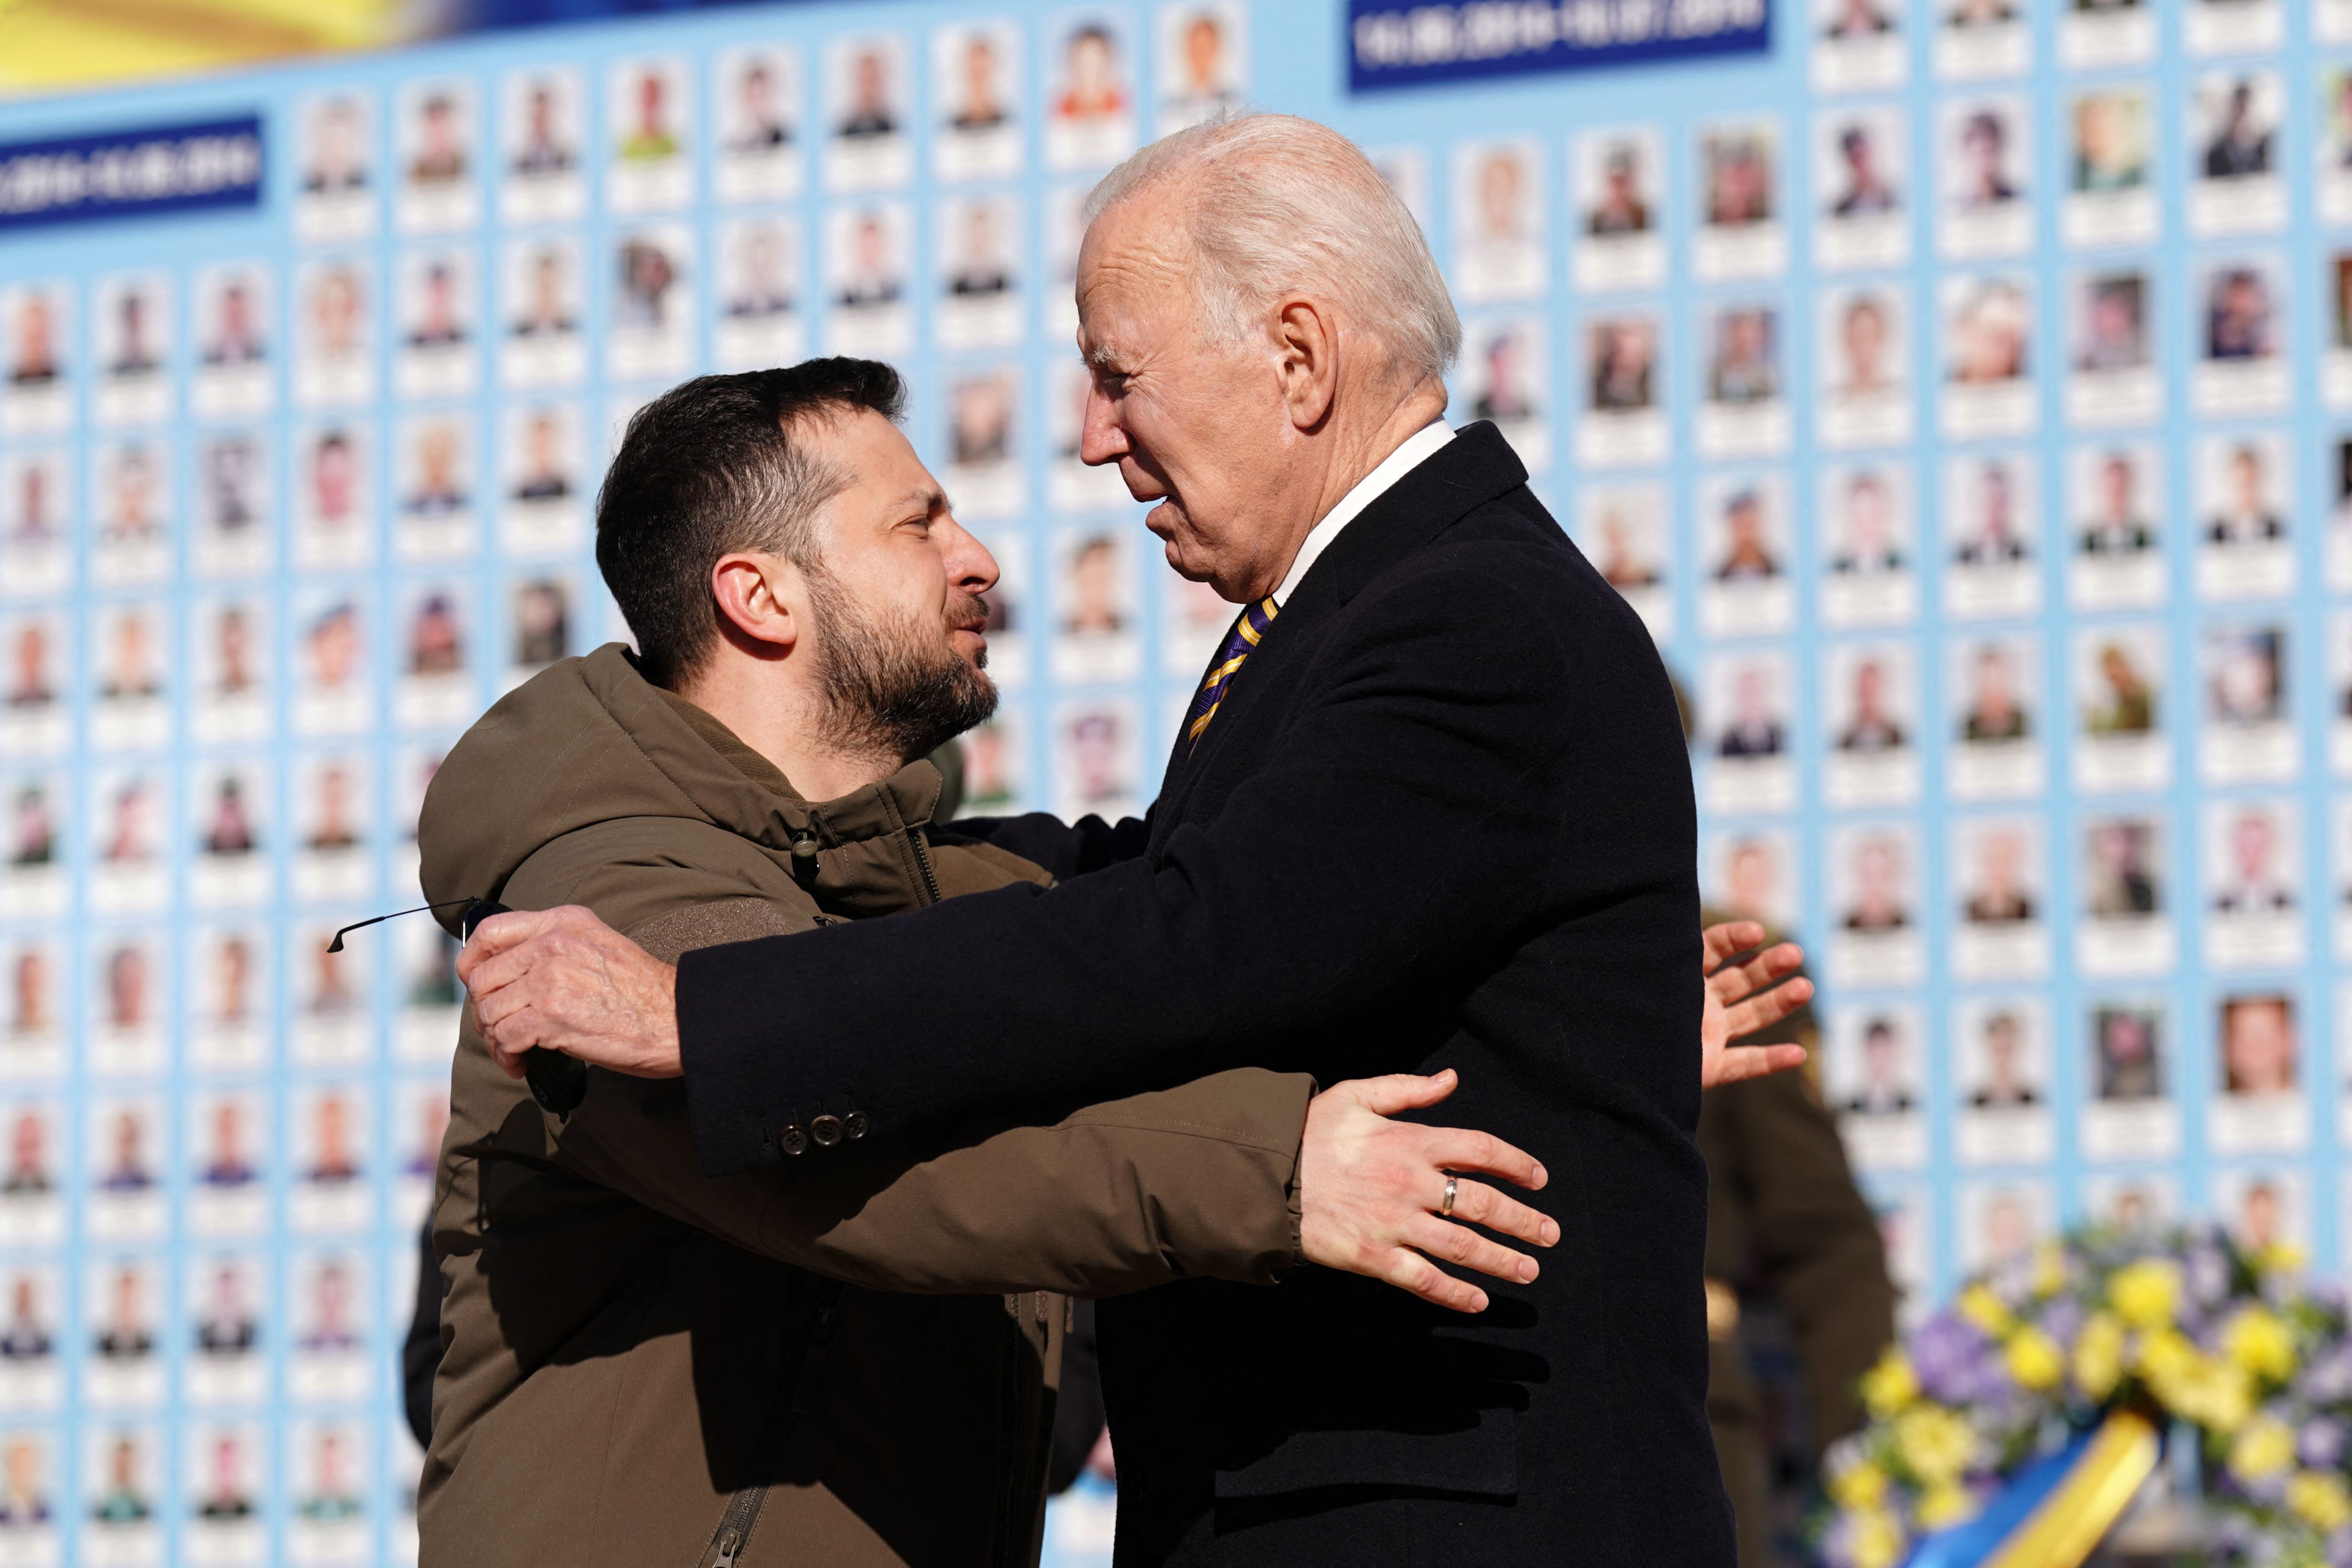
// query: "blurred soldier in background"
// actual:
[[1798, 1303]]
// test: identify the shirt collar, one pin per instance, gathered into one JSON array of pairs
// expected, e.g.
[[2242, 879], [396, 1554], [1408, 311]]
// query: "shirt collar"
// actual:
[[1416, 449]]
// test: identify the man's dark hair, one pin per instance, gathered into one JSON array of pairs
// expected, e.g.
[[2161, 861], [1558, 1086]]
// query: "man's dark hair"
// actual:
[[719, 464]]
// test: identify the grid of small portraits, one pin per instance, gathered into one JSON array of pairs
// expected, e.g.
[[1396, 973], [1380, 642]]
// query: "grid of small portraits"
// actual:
[[288, 499], [1962, 395]]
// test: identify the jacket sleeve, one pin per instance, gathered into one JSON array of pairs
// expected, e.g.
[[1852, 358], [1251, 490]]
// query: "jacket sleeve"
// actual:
[[1809, 1235], [1200, 1180], [1065, 849], [1407, 828]]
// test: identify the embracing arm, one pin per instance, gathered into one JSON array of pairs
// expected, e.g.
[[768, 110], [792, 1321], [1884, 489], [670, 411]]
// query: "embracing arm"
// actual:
[[1199, 1180], [1303, 916], [1066, 849], [1307, 909], [1204, 1179]]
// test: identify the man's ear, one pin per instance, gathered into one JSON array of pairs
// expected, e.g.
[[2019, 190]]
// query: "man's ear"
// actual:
[[1307, 339], [757, 595]]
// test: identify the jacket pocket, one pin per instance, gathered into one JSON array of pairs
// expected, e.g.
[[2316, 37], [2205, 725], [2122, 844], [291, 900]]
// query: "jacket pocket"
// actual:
[[1480, 1459]]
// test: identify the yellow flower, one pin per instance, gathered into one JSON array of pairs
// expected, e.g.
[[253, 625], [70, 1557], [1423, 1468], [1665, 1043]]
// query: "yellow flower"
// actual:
[[2263, 1449], [2322, 1500], [2212, 1392], [2166, 1356], [1942, 1507], [2033, 1359], [2281, 1257], [2099, 1356], [2049, 1268], [2222, 1398], [1877, 1541], [1981, 1307], [1860, 1488], [1934, 1442], [2147, 1292], [1891, 1385], [2260, 1344]]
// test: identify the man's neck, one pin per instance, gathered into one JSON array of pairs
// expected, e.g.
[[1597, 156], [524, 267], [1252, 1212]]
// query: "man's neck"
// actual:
[[764, 709], [1353, 455]]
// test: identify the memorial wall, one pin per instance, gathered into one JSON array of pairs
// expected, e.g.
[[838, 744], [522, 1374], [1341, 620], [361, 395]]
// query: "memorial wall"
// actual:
[[1962, 395]]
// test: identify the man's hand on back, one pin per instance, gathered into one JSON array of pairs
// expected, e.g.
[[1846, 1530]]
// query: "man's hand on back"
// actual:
[[1371, 1192], [1742, 998], [564, 980]]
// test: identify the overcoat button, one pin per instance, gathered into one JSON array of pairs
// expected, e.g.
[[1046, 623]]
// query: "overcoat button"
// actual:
[[793, 1140], [827, 1131]]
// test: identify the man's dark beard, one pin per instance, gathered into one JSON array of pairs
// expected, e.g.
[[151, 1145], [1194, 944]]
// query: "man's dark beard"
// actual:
[[894, 688]]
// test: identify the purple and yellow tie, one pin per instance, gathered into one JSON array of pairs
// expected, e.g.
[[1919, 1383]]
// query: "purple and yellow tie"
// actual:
[[1248, 629]]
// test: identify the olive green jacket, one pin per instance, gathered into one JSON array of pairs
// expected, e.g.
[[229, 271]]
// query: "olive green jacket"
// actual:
[[850, 1358]]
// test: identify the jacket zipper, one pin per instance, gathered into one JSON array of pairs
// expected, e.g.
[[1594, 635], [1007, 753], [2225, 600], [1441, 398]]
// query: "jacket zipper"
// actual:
[[800, 1394], [923, 861]]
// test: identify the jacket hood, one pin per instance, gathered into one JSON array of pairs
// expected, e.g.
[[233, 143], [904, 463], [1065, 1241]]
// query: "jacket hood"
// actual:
[[590, 739]]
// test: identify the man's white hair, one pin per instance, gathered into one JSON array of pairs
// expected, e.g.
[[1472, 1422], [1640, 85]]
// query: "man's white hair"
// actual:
[[1275, 203]]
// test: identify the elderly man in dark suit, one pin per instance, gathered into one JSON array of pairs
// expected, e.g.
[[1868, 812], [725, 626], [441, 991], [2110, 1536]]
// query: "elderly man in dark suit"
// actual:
[[1429, 810]]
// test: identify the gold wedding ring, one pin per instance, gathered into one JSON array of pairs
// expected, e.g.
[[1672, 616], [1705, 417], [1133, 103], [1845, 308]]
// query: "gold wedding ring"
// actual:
[[1452, 1185]]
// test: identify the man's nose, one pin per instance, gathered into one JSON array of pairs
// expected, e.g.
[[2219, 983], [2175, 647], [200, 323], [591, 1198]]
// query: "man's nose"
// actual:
[[1104, 438], [969, 564]]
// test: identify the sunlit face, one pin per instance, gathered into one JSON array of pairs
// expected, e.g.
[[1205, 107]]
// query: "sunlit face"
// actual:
[[2253, 839], [1869, 690], [1864, 333], [2261, 1227], [1500, 182], [1996, 682], [979, 76], [1092, 70], [1866, 516], [866, 82], [2126, 1039], [2004, 856], [1195, 426], [2008, 1229], [23, 1469], [1877, 873], [35, 335], [1881, 1057], [2001, 1047], [2115, 484], [334, 480], [335, 310], [2259, 1047], [2246, 480], [1203, 47], [892, 543], [1750, 879]]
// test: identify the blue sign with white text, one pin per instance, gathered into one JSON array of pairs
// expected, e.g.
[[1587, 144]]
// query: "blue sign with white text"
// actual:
[[1390, 45], [131, 173]]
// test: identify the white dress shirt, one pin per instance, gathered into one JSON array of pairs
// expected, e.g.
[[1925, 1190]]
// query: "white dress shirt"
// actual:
[[1417, 449]]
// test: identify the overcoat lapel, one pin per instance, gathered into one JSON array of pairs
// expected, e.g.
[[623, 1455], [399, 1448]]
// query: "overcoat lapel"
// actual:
[[1467, 472]]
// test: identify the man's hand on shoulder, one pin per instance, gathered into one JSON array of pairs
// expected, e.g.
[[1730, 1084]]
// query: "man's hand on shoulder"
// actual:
[[562, 980], [1744, 996], [1387, 1198]]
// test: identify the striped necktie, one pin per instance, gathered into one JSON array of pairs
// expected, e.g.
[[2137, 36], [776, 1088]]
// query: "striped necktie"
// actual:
[[1248, 629]]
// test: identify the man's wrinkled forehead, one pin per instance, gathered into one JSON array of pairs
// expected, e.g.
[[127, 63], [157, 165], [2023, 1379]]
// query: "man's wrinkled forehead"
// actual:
[[1133, 266]]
